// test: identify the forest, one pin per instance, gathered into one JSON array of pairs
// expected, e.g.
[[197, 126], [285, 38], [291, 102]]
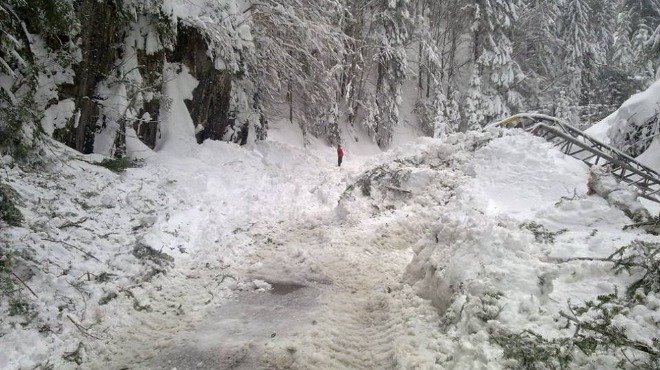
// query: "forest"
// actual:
[[91, 74], [329, 184]]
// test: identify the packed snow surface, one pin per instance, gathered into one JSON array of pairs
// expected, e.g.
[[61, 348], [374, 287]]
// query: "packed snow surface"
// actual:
[[271, 256]]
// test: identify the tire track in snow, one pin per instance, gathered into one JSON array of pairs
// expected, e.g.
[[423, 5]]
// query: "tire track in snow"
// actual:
[[355, 313], [366, 318]]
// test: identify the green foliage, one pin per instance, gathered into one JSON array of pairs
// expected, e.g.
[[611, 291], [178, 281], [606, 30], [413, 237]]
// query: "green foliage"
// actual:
[[8, 211], [642, 258], [18, 18], [594, 329], [13, 42], [490, 308], [592, 323], [541, 233], [365, 182], [651, 225], [118, 165], [16, 304], [12, 118], [365, 186], [50, 18], [593, 320], [532, 351]]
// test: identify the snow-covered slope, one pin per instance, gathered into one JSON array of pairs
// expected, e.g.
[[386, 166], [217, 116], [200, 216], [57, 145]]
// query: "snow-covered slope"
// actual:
[[436, 254], [93, 240], [519, 244]]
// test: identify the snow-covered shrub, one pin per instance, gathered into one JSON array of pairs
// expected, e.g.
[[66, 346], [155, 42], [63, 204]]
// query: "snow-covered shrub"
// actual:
[[615, 324], [118, 164], [611, 323], [14, 138], [8, 211], [530, 350], [636, 124]]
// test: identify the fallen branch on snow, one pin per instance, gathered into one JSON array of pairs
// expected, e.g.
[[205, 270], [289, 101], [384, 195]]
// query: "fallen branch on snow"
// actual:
[[74, 247], [82, 329]]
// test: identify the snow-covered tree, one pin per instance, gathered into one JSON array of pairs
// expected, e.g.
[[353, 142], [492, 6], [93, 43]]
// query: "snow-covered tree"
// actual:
[[492, 53], [300, 49], [393, 21], [473, 108], [319, 63], [437, 33], [623, 54], [645, 17], [578, 38], [654, 50], [619, 77], [21, 23]]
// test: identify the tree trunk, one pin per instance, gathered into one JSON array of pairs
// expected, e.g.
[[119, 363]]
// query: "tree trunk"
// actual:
[[99, 29]]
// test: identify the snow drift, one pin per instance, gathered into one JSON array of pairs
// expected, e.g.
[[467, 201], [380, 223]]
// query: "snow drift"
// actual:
[[634, 128]]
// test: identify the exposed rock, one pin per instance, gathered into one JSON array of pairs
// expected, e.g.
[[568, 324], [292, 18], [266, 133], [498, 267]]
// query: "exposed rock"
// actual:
[[210, 105]]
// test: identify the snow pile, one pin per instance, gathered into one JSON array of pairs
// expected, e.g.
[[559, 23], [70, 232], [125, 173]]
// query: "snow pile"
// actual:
[[177, 130], [635, 127], [77, 249], [518, 247], [617, 194], [105, 252]]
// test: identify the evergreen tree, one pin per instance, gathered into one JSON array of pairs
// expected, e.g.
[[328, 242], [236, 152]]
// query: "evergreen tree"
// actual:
[[578, 38], [394, 32], [440, 124], [623, 55], [618, 74], [536, 46], [20, 22], [473, 109], [300, 48], [654, 50], [643, 64], [645, 17], [492, 50], [644, 13]]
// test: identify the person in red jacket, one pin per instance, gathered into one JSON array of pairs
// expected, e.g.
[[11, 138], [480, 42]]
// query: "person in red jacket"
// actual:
[[340, 155]]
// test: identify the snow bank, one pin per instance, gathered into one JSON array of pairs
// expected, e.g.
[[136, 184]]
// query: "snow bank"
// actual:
[[134, 258], [521, 175], [491, 262]]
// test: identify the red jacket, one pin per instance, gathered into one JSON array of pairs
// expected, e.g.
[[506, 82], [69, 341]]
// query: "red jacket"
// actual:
[[340, 152]]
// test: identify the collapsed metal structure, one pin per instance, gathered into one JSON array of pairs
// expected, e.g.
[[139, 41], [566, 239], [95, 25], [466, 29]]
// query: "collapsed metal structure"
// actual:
[[591, 151]]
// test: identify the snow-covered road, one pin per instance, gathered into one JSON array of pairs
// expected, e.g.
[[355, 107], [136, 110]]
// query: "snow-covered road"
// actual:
[[334, 300], [320, 287], [272, 257]]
